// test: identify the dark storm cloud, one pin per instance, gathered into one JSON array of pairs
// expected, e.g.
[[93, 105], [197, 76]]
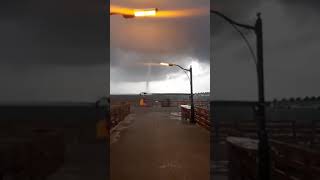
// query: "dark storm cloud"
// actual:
[[173, 40], [53, 50], [163, 36], [290, 39], [53, 32], [309, 3], [232, 7], [132, 66]]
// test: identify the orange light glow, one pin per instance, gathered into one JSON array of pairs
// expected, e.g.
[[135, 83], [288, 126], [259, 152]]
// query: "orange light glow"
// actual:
[[121, 10], [153, 12], [145, 12], [182, 13]]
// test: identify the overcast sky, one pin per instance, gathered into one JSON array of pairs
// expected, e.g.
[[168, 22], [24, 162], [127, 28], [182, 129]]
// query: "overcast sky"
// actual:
[[291, 53], [139, 41], [56, 50], [53, 50]]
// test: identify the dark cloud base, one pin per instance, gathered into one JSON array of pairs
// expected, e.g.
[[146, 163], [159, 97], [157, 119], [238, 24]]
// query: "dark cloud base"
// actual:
[[53, 32], [177, 40], [54, 50]]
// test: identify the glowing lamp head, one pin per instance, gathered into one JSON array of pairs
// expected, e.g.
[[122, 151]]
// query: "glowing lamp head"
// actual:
[[166, 64], [145, 12]]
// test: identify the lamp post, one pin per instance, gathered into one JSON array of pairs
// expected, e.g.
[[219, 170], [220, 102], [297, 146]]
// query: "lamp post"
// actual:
[[264, 162], [192, 119]]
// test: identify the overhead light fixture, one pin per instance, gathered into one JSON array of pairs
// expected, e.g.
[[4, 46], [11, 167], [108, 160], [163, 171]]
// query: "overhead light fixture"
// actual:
[[164, 64], [145, 12]]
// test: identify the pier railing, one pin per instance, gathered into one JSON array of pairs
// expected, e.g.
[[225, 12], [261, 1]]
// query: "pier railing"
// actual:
[[304, 133], [289, 162], [299, 132], [202, 117]]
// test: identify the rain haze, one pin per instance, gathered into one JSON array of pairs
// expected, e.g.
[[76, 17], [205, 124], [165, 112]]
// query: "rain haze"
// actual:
[[291, 49], [138, 45]]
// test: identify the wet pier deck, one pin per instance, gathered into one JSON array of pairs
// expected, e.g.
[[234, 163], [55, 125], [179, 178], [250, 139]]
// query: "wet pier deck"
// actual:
[[153, 143]]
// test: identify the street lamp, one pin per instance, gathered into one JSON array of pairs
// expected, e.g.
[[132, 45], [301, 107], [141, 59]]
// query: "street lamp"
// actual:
[[192, 120], [166, 64], [132, 13], [145, 12], [263, 146]]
